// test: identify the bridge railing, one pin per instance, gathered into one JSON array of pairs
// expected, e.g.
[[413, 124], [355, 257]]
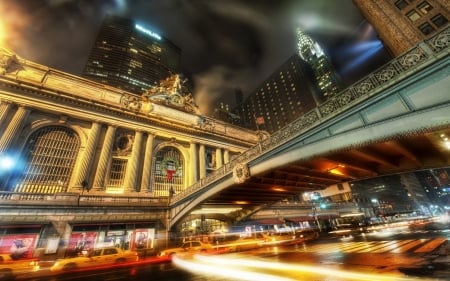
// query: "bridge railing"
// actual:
[[409, 62], [76, 199]]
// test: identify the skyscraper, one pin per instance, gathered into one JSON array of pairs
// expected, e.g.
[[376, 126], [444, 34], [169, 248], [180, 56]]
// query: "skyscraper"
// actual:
[[130, 56], [284, 96], [311, 52], [402, 24]]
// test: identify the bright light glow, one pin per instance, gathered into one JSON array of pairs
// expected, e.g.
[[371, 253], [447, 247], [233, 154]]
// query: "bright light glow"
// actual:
[[335, 172], [220, 210], [148, 32], [352, 215], [362, 47], [249, 269], [447, 144], [241, 202], [6, 163], [2, 34], [362, 57], [115, 191], [225, 271]]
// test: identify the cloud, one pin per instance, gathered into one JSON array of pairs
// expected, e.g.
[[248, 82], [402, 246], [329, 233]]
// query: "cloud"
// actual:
[[225, 44]]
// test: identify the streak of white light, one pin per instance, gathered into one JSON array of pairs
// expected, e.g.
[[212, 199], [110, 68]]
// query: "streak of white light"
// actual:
[[226, 272], [297, 267]]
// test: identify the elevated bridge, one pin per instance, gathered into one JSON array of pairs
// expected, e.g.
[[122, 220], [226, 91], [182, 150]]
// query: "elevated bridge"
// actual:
[[397, 119]]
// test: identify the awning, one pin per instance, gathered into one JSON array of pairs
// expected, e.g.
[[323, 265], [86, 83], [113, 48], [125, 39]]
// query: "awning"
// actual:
[[264, 222], [327, 216], [311, 218], [300, 219]]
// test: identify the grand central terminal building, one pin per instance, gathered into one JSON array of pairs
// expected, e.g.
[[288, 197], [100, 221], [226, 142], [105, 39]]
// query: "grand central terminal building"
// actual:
[[86, 161]]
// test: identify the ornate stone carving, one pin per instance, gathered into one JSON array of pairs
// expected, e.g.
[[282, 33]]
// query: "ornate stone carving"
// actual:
[[241, 173], [123, 144], [412, 58], [131, 102], [442, 41]]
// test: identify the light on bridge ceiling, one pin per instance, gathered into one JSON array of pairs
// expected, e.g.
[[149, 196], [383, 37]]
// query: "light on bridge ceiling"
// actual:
[[335, 170], [446, 141], [277, 188], [241, 202], [223, 210]]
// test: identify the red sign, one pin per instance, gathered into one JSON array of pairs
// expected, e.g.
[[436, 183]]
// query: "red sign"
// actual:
[[19, 246]]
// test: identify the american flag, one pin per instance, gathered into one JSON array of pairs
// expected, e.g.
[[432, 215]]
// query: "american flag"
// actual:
[[259, 120]]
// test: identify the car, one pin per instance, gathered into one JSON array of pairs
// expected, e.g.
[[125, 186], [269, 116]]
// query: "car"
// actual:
[[281, 238], [96, 257], [248, 242], [187, 248], [307, 234], [10, 267]]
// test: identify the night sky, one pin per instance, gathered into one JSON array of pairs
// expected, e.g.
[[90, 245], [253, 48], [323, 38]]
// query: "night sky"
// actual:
[[226, 44]]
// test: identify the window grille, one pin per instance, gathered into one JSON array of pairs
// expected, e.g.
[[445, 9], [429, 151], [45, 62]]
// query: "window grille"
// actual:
[[49, 155], [116, 175]]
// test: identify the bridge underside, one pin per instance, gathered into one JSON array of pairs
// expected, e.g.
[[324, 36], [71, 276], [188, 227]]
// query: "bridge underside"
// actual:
[[406, 153], [380, 126]]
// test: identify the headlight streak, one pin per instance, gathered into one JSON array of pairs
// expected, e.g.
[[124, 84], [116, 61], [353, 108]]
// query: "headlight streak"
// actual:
[[283, 268], [226, 272]]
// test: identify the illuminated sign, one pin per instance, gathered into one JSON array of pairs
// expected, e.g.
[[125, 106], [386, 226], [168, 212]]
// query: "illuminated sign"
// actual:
[[148, 32]]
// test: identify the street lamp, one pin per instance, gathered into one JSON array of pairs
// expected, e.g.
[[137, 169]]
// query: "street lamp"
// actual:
[[84, 186]]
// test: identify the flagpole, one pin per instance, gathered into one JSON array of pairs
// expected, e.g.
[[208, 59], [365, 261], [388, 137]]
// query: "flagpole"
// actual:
[[258, 133]]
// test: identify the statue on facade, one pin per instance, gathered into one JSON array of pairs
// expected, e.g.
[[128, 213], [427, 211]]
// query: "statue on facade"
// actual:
[[7, 59], [172, 92]]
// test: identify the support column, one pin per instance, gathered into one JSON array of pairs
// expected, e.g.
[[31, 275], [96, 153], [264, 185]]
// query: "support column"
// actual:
[[105, 158], [88, 155], [5, 107], [202, 161], [14, 127], [219, 159], [131, 173], [147, 169], [226, 156], [193, 173]]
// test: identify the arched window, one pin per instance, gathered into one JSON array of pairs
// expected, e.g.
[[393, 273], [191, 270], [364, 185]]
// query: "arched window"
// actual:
[[49, 158], [168, 172]]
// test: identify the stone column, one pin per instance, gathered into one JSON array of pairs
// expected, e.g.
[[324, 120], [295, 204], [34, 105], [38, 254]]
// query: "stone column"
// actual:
[[131, 173], [147, 169], [193, 173], [226, 156], [219, 159], [13, 128], [89, 151], [105, 158], [202, 161], [5, 107]]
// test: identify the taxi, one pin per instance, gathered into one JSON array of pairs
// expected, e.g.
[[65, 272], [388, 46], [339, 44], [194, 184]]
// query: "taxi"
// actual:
[[96, 257]]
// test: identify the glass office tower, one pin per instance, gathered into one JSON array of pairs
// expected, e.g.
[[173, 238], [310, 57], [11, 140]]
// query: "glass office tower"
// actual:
[[129, 56]]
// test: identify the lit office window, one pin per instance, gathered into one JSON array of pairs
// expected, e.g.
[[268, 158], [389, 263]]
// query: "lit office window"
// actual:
[[49, 155], [413, 15], [424, 7]]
